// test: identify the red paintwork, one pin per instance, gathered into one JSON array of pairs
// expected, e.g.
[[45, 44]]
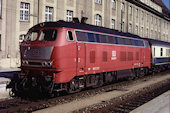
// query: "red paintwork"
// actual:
[[71, 58]]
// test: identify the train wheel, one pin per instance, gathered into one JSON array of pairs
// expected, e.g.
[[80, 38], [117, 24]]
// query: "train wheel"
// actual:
[[142, 72], [73, 86], [99, 81], [133, 75], [11, 93]]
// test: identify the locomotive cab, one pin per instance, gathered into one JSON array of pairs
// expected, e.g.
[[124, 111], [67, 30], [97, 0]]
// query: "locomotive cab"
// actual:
[[37, 48]]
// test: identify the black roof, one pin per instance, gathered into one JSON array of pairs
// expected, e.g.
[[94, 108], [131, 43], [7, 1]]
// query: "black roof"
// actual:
[[81, 26], [89, 27], [158, 42]]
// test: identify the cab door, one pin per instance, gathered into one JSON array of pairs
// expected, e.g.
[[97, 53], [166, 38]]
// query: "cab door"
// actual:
[[81, 58], [142, 57]]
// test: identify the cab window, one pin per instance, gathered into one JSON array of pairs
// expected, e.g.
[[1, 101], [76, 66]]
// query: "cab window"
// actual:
[[70, 36], [48, 35], [31, 35]]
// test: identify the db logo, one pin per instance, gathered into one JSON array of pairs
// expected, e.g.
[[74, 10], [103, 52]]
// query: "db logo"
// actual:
[[35, 52]]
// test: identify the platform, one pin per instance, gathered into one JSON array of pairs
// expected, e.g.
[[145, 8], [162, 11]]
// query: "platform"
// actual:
[[8, 73], [160, 104], [5, 78]]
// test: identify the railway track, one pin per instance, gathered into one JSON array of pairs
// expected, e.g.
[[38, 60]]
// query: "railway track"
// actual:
[[29, 105], [127, 103]]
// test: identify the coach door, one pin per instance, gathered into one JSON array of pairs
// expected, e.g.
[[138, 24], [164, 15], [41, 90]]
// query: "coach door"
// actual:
[[81, 58]]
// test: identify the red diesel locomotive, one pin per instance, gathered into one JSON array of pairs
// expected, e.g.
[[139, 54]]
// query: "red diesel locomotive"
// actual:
[[65, 56]]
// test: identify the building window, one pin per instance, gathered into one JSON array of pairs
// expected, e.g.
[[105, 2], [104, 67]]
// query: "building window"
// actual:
[[142, 31], [122, 26], [24, 11], [147, 18], [159, 35], [151, 19], [113, 4], [98, 20], [69, 16], [130, 28], [48, 13], [98, 1], [147, 32], [21, 38], [0, 8], [156, 21], [113, 24], [122, 7], [151, 34], [142, 15], [159, 22], [130, 10], [136, 13], [136, 30]]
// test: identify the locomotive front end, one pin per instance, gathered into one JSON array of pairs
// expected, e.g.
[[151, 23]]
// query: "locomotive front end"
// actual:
[[37, 63]]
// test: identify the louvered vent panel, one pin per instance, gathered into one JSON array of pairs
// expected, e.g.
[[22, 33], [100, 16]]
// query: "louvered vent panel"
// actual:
[[104, 56], [130, 56], [92, 57], [137, 55], [122, 56]]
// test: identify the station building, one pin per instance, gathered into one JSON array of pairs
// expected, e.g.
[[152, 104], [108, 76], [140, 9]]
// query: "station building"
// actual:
[[147, 18]]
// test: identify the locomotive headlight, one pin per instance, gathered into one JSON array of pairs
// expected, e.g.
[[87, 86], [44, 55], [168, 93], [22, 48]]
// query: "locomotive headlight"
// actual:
[[46, 63], [25, 62], [49, 63]]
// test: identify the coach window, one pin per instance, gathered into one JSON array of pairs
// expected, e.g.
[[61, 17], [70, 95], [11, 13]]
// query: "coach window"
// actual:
[[70, 36], [167, 52], [161, 52]]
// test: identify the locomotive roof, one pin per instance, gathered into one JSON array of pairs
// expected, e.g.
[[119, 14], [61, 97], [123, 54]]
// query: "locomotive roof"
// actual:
[[158, 43], [89, 27], [81, 26]]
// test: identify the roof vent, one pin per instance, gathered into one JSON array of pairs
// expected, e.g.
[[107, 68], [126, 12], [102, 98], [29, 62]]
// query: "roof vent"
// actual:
[[84, 20], [76, 20]]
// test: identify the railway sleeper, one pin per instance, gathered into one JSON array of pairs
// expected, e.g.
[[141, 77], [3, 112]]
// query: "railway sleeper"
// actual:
[[132, 104], [128, 108], [121, 110]]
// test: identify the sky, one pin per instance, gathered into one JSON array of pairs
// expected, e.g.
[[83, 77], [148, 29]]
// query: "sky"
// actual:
[[167, 3]]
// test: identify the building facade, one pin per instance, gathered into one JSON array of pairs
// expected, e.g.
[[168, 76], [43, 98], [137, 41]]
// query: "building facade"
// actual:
[[147, 18]]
